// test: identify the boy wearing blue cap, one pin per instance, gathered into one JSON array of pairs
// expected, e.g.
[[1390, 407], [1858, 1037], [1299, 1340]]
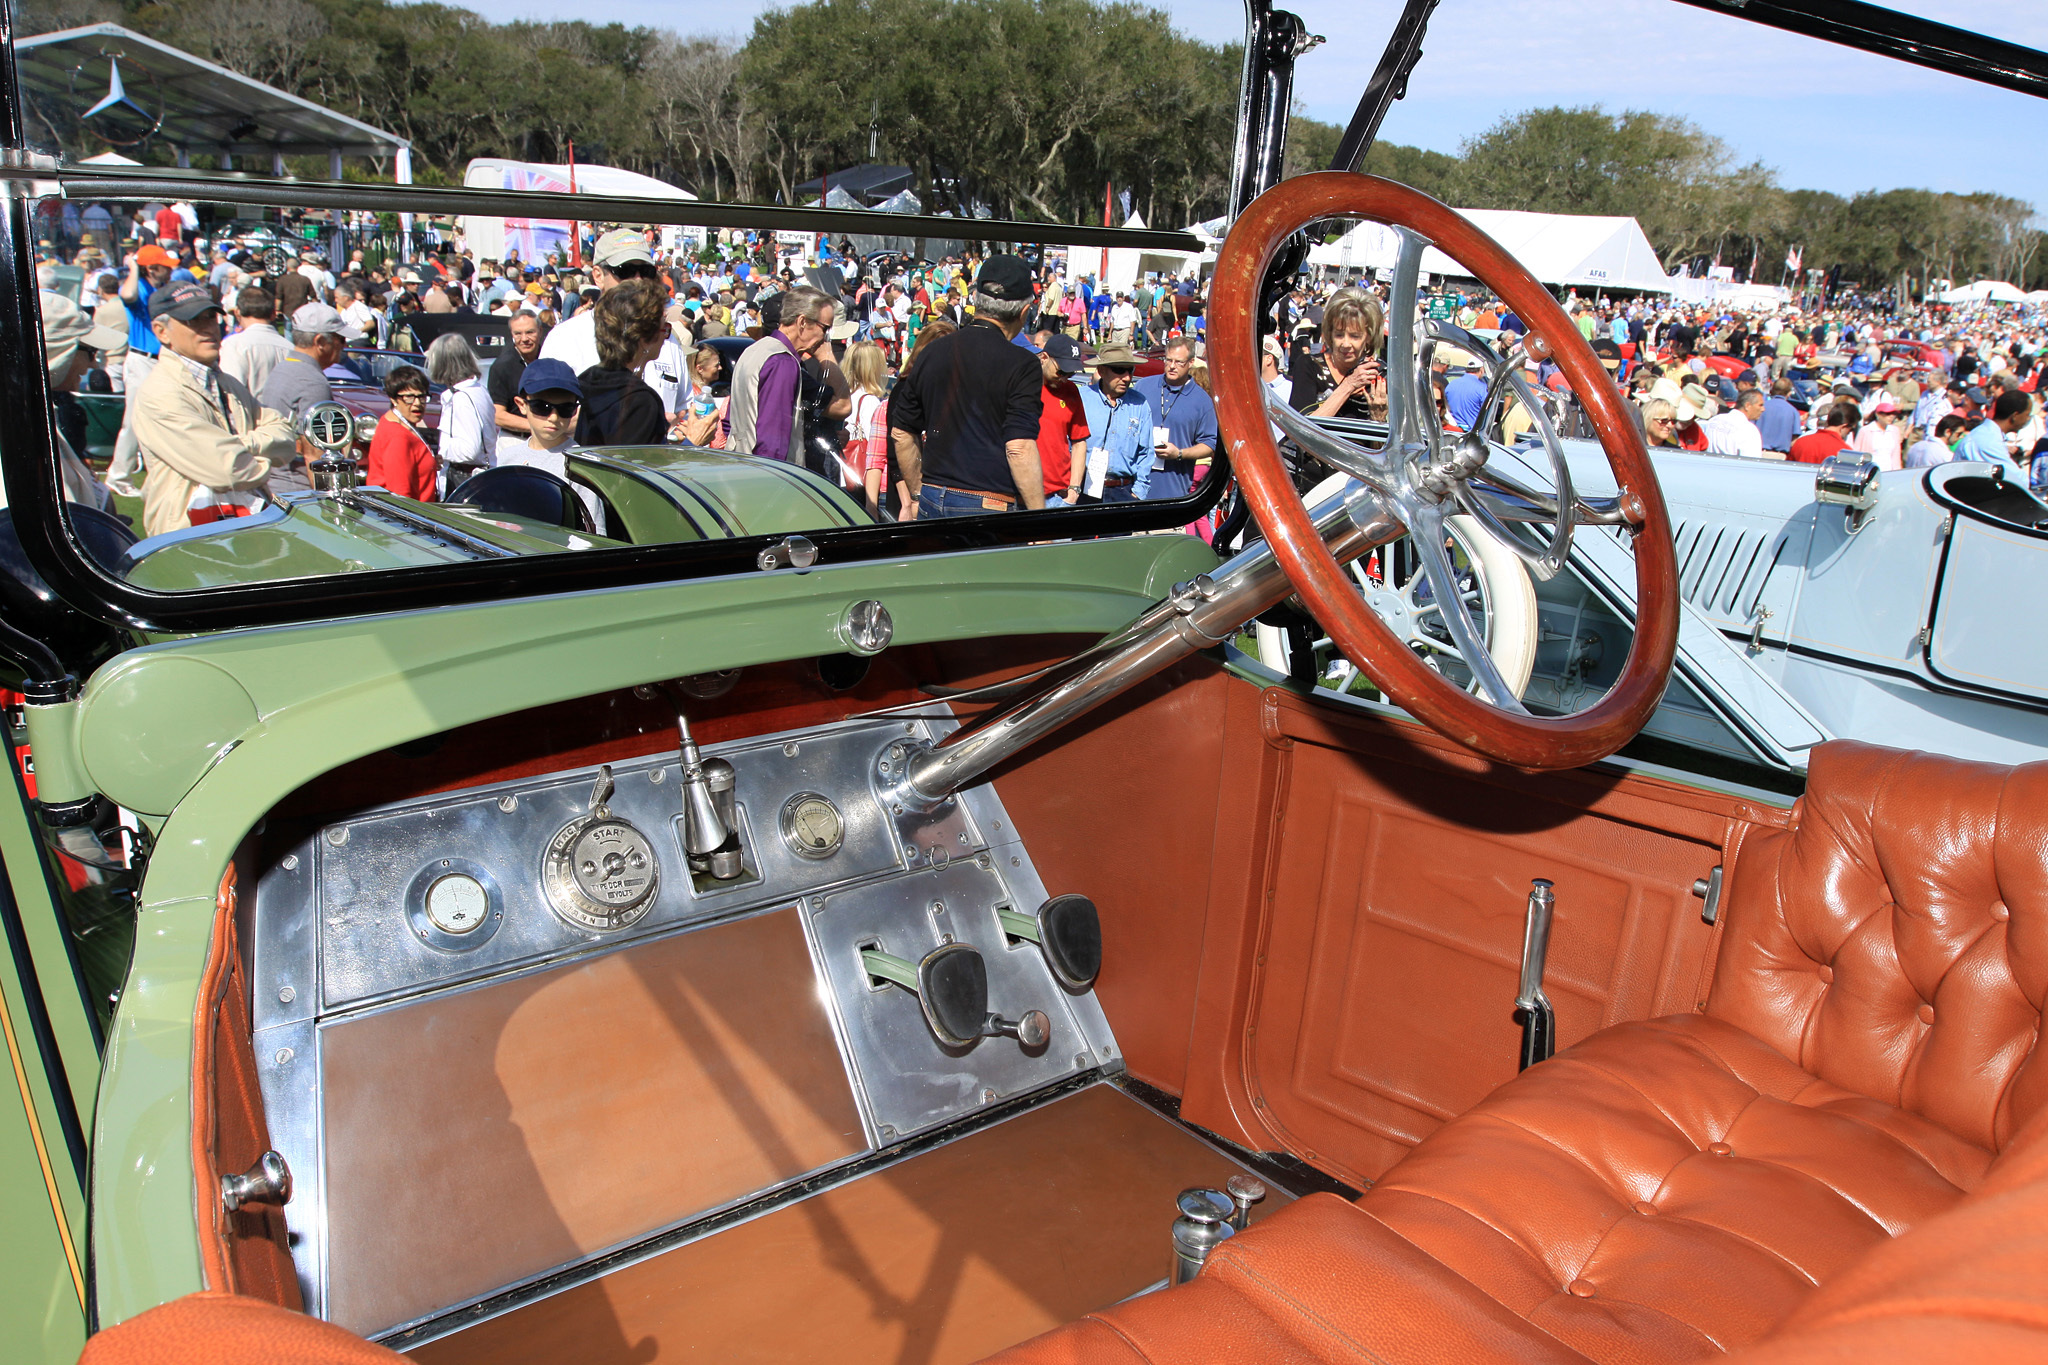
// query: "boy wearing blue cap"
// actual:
[[549, 397]]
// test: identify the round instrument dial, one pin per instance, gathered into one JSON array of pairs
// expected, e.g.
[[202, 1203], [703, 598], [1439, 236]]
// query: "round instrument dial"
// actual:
[[812, 825], [457, 903], [601, 873]]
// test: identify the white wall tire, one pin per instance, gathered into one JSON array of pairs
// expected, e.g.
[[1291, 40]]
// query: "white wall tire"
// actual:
[[1506, 588]]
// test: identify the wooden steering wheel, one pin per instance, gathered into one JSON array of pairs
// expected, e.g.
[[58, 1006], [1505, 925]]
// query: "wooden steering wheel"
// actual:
[[1424, 474]]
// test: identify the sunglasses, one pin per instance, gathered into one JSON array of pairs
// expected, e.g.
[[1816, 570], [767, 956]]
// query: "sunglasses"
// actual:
[[541, 407]]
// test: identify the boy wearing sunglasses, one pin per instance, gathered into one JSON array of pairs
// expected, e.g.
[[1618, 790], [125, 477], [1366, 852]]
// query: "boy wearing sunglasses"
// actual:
[[549, 398]]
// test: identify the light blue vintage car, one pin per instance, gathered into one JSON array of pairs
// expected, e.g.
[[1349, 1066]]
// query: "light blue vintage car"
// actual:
[[1820, 602]]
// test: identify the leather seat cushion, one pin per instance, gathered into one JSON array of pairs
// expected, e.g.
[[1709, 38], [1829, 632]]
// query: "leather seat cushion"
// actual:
[[1319, 1281], [1668, 1188], [1971, 1285]]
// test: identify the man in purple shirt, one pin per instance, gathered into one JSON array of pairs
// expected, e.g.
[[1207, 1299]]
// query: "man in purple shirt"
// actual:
[[763, 417]]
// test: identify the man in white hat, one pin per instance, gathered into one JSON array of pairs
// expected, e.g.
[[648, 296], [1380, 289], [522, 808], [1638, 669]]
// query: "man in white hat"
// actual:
[[71, 341], [620, 255]]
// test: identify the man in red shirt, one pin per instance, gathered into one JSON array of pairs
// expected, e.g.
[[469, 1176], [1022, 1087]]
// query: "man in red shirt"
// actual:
[[1062, 427], [1840, 421]]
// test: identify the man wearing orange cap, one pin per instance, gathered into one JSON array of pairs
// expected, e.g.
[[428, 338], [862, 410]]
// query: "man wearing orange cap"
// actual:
[[148, 271]]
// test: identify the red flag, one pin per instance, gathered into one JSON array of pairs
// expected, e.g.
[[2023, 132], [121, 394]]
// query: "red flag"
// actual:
[[1107, 199]]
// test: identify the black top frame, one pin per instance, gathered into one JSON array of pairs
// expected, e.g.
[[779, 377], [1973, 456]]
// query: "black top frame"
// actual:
[[27, 447]]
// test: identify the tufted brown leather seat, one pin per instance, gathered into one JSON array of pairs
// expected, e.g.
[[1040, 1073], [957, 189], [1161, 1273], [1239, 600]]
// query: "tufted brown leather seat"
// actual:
[[1790, 1170]]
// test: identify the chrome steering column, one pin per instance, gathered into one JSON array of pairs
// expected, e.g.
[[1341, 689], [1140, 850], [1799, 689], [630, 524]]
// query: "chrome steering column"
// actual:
[[1199, 614]]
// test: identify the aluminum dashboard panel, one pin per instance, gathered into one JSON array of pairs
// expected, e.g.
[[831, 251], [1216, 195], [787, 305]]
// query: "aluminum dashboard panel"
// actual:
[[483, 1136], [348, 898], [366, 997], [908, 1079]]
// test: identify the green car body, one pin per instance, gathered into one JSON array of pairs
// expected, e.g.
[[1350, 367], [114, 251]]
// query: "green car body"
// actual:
[[653, 495], [199, 736], [202, 736]]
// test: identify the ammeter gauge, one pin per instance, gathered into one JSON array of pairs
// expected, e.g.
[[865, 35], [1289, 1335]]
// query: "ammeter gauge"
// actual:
[[812, 825], [457, 903]]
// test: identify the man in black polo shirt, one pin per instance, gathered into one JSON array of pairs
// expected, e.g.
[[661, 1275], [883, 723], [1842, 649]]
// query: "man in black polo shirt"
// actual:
[[964, 420]]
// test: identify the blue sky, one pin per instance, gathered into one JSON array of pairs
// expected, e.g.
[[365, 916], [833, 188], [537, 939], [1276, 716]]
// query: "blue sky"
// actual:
[[1822, 116]]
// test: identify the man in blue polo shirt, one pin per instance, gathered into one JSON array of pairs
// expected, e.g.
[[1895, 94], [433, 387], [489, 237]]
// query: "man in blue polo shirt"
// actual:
[[1183, 408], [148, 271], [1119, 426]]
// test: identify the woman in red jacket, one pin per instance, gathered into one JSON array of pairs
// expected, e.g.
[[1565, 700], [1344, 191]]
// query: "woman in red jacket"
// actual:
[[399, 458]]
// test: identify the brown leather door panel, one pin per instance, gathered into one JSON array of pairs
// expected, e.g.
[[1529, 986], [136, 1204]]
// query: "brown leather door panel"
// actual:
[[1385, 936]]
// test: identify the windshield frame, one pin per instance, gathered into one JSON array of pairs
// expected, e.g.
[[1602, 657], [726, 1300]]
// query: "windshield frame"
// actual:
[[28, 461]]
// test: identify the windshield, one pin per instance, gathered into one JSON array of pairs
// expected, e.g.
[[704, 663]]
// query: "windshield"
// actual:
[[305, 319], [330, 331]]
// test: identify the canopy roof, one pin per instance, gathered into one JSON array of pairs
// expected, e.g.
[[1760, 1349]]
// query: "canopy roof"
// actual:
[[869, 184], [1560, 249], [196, 105], [1984, 291]]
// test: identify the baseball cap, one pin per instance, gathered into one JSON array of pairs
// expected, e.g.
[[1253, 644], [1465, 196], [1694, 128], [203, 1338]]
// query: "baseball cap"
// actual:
[[155, 255], [1746, 377], [315, 319], [1005, 277], [621, 246], [1977, 395], [185, 302], [1116, 356], [1886, 404], [1065, 353], [542, 375]]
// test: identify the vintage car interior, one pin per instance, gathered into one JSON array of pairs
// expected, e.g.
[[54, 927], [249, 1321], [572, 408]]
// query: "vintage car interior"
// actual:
[[942, 944]]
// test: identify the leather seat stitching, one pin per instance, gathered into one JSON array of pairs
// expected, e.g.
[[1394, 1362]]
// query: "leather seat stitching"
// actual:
[[1623, 1078], [1238, 1263], [1542, 1267], [1544, 1271], [1910, 1148], [1602, 1178], [1122, 1335]]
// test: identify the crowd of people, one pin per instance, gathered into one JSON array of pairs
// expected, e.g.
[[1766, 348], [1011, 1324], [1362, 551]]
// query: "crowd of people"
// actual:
[[963, 386], [628, 347]]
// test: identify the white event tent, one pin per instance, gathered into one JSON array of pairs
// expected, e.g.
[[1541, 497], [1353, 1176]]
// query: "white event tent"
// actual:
[[1983, 291], [534, 238], [1119, 268], [1560, 249]]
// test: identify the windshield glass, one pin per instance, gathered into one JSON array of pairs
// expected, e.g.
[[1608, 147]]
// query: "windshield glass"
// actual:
[[306, 315]]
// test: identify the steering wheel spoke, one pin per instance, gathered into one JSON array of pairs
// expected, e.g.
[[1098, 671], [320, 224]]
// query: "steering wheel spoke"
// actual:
[[1371, 467]]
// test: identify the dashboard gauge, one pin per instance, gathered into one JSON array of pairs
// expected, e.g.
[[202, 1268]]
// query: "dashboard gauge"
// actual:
[[812, 825], [454, 905], [457, 903], [601, 873]]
